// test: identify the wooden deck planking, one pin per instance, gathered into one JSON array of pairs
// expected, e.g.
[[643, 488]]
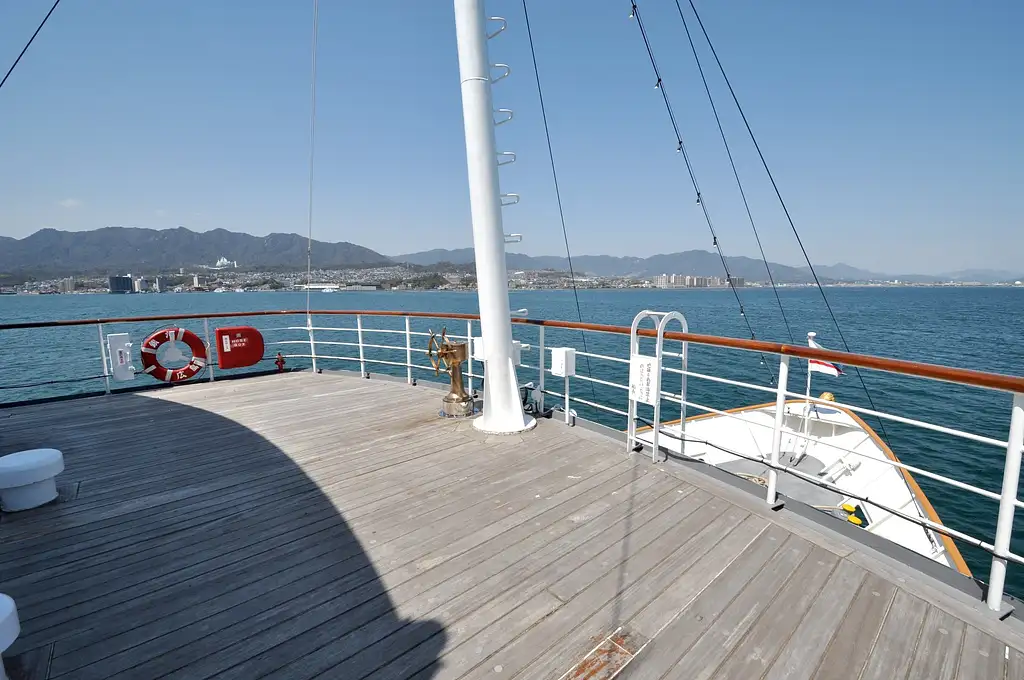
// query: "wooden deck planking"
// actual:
[[341, 529], [938, 650], [982, 657], [590, 503], [802, 653], [254, 549]]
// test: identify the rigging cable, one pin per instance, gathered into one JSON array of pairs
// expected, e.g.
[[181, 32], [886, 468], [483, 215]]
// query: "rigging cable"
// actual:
[[681, 148], [785, 209], [558, 195], [312, 148], [29, 43], [736, 174]]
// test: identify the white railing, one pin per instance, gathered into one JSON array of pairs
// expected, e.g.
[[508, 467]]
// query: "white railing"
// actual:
[[370, 346]]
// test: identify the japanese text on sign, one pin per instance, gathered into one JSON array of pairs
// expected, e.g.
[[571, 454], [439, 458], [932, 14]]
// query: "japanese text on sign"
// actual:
[[643, 379]]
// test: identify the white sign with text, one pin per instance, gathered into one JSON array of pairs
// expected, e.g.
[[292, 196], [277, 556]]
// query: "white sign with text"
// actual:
[[643, 379]]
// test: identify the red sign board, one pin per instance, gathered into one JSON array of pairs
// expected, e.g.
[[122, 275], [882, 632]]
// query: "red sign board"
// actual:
[[239, 346]]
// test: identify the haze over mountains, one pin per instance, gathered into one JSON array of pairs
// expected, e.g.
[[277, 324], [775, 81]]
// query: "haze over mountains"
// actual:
[[121, 249]]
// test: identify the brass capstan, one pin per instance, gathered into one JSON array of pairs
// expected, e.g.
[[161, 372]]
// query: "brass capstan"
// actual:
[[449, 357]]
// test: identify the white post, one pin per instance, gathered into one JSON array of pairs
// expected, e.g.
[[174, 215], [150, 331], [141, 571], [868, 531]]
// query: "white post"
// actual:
[[780, 405], [103, 356], [408, 352], [312, 343], [566, 400], [682, 394], [209, 347], [807, 394], [1007, 498], [359, 335], [540, 378], [469, 357], [502, 411]]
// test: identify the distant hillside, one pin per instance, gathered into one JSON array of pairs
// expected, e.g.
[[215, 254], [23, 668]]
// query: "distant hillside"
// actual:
[[696, 262], [116, 249]]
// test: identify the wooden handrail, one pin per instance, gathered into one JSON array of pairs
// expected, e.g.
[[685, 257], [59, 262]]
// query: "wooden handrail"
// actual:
[[962, 376]]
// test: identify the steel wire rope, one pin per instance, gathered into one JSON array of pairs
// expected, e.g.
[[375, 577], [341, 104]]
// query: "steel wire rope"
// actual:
[[558, 195], [29, 43], [681, 148], [736, 174], [785, 209]]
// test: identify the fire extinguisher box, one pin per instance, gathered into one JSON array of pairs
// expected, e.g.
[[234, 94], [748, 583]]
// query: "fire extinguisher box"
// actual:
[[239, 346]]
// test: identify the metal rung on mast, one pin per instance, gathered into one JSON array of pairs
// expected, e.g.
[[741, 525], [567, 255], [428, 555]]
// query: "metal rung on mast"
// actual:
[[508, 117], [506, 74], [509, 157], [512, 200], [504, 25]]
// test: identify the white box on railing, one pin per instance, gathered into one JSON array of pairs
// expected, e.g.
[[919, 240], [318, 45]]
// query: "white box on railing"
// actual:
[[119, 351], [563, 362], [517, 351]]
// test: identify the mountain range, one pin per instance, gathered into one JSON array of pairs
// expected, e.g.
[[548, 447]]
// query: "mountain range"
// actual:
[[122, 249], [703, 263]]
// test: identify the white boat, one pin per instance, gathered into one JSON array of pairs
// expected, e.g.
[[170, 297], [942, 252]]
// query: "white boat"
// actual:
[[821, 445]]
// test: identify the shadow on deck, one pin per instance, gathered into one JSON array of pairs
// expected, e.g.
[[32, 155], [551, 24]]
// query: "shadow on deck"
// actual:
[[193, 538], [305, 526]]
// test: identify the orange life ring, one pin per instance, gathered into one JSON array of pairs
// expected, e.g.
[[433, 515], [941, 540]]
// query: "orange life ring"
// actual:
[[152, 366]]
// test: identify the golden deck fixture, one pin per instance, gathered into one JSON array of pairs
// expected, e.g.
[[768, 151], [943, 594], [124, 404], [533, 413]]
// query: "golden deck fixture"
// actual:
[[451, 355]]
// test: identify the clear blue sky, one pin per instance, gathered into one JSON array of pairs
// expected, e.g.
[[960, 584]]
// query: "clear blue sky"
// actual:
[[893, 128]]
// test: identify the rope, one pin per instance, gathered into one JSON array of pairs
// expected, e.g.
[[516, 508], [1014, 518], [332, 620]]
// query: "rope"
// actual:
[[29, 43], [312, 149], [558, 193], [785, 210], [735, 173], [681, 148]]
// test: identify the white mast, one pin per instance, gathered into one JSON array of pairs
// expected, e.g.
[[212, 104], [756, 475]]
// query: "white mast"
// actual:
[[503, 411]]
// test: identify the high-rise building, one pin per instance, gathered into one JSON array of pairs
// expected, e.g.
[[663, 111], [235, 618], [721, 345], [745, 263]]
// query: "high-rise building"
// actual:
[[158, 284], [66, 285], [120, 284]]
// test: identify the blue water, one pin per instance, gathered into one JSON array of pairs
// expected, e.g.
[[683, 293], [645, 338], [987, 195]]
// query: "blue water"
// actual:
[[979, 328]]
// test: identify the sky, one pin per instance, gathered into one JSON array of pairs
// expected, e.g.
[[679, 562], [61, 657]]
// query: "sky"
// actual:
[[892, 129]]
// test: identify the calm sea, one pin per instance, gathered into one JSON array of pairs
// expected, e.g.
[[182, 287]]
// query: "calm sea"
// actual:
[[979, 328]]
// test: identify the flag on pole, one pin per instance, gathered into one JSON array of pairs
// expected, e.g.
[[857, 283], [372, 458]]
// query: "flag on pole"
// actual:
[[819, 366]]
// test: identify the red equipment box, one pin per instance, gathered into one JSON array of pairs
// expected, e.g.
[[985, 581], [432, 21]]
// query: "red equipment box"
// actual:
[[239, 346]]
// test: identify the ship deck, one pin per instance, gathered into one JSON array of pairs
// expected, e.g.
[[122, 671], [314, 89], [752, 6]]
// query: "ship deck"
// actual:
[[301, 526]]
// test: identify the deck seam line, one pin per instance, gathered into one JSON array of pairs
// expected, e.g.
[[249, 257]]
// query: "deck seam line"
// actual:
[[878, 633]]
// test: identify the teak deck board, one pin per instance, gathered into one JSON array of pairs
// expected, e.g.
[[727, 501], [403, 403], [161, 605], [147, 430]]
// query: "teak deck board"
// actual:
[[303, 526]]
